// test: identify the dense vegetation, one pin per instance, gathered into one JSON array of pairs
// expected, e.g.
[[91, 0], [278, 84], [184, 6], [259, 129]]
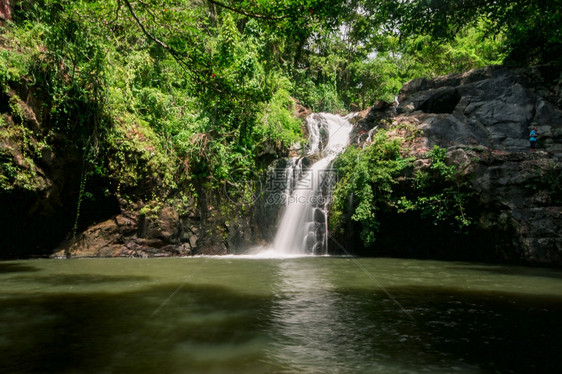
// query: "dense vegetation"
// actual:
[[168, 97], [378, 180]]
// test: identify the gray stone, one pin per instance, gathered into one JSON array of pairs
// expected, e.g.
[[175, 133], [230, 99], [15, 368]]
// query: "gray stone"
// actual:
[[488, 130]]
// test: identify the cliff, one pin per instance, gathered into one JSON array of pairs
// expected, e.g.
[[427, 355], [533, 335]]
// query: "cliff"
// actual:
[[483, 118]]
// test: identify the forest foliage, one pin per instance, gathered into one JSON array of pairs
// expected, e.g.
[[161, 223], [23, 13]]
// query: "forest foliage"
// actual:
[[377, 179], [174, 93]]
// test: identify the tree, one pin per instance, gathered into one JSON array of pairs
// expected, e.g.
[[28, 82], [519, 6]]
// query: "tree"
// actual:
[[533, 28]]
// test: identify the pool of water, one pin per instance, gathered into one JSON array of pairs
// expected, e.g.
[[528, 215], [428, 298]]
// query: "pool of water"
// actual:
[[292, 315]]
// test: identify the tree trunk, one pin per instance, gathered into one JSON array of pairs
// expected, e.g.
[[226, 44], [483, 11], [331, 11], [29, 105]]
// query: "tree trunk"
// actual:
[[5, 10]]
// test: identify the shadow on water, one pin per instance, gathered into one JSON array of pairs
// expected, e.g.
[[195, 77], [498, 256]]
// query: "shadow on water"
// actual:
[[491, 331], [79, 279], [7, 267], [554, 273], [118, 333]]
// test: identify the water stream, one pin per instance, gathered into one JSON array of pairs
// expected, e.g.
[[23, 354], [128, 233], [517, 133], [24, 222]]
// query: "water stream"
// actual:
[[303, 227]]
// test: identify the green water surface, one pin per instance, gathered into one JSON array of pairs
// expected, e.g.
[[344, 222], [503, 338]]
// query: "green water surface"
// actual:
[[295, 315]]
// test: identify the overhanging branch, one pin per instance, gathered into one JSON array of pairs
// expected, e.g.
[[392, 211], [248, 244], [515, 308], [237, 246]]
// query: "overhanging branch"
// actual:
[[188, 68], [145, 31], [248, 14]]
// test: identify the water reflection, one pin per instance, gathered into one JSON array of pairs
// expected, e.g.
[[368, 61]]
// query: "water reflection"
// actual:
[[12, 267], [321, 323], [297, 315], [305, 317], [318, 327]]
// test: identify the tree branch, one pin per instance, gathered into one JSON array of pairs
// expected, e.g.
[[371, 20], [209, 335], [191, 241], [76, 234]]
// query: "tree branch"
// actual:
[[116, 12], [240, 11], [5, 10], [188, 66], [177, 56], [145, 31]]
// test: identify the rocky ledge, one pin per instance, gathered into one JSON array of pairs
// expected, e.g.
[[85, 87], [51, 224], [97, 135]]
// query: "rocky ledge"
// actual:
[[483, 118]]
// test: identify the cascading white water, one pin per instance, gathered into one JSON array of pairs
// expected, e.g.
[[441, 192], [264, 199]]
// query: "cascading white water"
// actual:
[[303, 228]]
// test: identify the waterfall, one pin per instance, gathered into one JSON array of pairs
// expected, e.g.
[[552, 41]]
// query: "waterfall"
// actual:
[[303, 227], [370, 136]]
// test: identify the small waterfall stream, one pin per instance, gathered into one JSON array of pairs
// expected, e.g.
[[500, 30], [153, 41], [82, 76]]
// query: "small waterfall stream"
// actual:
[[303, 227]]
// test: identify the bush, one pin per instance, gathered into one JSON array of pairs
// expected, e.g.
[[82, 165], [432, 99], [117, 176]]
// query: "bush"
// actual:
[[370, 177]]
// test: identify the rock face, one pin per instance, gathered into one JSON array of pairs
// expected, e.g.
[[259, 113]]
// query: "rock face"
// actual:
[[38, 181], [133, 235], [483, 118], [492, 107], [164, 232]]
